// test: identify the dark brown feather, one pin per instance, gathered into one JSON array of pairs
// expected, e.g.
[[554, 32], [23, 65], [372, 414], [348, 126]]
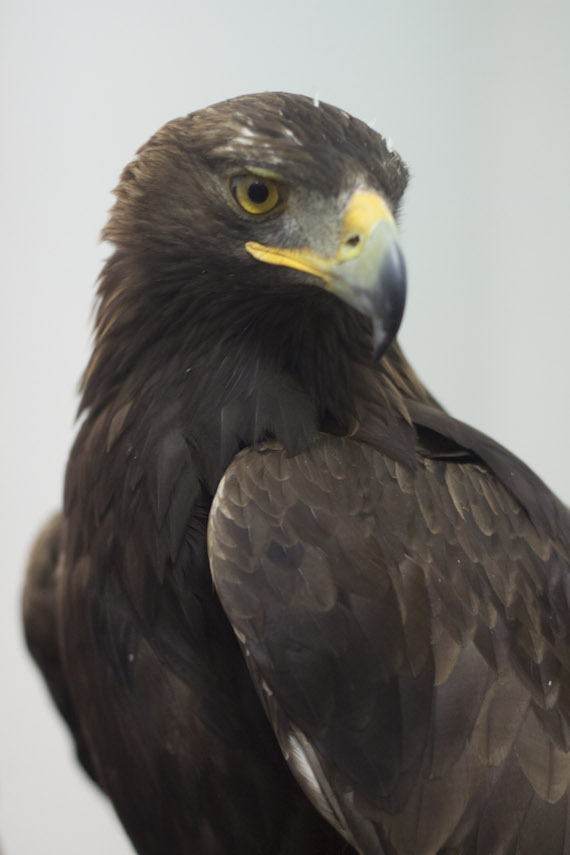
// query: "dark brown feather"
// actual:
[[495, 657], [398, 581]]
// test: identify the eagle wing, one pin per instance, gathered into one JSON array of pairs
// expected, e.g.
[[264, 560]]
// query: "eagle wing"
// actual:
[[40, 606], [407, 629]]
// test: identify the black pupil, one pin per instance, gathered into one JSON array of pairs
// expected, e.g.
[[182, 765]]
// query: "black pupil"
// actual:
[[258, 192]]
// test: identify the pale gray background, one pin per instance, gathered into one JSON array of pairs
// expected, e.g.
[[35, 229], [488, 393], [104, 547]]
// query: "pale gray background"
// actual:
[[475, 96]]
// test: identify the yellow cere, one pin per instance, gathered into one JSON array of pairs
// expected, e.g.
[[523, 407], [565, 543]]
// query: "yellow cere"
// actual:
[[365, 209]]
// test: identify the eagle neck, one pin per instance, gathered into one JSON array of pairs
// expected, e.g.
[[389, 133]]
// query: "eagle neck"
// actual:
[[228, 369]]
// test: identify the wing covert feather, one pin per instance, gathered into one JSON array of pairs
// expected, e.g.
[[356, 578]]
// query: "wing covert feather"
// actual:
[[412, 626]]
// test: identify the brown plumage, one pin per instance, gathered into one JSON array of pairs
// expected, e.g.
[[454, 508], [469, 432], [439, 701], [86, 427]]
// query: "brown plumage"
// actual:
[[370, 649]]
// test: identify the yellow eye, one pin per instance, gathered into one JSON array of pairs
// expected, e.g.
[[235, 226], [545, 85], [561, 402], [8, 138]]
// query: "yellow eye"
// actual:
[[255, 194]]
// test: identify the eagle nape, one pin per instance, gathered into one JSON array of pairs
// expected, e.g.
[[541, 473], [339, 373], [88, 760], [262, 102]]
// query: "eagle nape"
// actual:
[[291, 606]]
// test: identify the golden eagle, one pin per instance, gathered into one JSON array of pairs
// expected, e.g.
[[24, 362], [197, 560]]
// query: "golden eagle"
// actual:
[[291, 606]]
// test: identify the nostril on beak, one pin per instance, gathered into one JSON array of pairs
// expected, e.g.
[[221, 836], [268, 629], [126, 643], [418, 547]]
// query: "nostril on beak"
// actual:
[[353, 240]]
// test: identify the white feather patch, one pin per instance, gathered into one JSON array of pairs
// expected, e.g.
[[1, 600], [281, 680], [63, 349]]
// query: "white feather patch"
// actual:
[[303, 761]]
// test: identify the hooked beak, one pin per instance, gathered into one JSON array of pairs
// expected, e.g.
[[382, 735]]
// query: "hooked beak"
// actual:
[[367, 270]]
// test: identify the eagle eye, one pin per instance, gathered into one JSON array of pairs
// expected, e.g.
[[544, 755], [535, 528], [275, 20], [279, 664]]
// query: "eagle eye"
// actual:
[[255, 194]]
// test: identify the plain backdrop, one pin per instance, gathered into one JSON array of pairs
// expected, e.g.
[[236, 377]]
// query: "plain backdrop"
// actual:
[[474, 95]]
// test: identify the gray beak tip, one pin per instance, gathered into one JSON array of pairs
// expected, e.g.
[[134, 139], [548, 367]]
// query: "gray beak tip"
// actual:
[[388, 301]]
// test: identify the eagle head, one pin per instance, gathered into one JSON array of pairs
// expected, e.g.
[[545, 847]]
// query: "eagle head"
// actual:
[[265, 193]]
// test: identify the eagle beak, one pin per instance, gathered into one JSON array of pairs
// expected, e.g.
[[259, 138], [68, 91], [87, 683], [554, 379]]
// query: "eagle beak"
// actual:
[[367, 270]]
